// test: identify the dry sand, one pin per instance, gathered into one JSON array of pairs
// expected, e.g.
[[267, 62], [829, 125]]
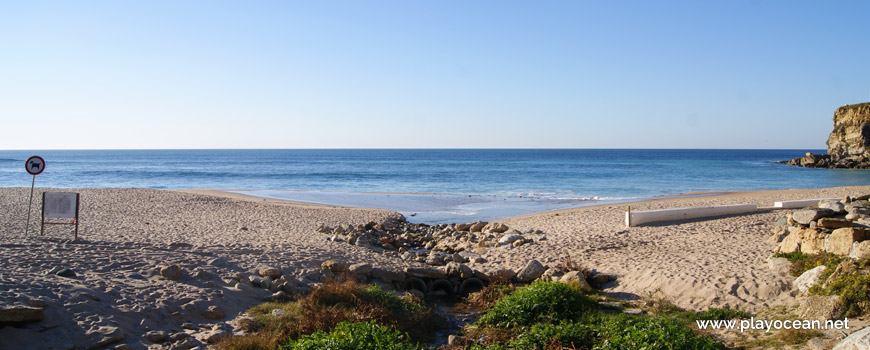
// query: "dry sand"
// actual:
[[125, 234]]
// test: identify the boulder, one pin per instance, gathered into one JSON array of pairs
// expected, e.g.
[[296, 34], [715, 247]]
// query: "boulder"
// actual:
[[106, 335], [213, 313], [861, 250], [170, 272], [809, 278], [455, 269], [388, 275], [155, 336], [806, 216], [842, 239], [833, 205], [575, 277], [812, 241], [531, 272], [361, 269], [833, 223], [821, 307], [269, 272], [21, 314], [790, 243], [462, 227], [477, 226], [860, 340], [509, 239], [427, 272], [335, 266], [500, 275], [495, 227]]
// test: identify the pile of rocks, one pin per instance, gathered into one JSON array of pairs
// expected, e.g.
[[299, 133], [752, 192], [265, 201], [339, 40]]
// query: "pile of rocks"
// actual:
[[435, 245], [838, 227]]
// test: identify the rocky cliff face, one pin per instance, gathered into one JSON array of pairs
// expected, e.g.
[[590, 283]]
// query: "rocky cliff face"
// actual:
[[848, 143]]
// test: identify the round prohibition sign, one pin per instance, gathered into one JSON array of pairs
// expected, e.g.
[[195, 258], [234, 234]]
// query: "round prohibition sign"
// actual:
[[34, 165]]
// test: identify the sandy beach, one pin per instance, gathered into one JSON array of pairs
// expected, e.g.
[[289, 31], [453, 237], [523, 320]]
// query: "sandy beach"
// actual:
[[126, 235]]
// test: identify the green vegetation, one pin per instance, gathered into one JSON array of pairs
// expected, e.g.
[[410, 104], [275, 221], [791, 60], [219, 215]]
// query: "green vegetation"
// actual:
[[801, 262], [552, 315], [353, 336], [327, 306], [851, 282], [537, 302]]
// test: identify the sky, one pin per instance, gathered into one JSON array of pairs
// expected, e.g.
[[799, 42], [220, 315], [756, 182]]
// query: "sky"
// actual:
[[428, 74]]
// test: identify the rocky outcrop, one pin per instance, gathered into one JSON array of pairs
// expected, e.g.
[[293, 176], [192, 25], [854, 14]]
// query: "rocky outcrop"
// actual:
[[848, 144], [819, 230]]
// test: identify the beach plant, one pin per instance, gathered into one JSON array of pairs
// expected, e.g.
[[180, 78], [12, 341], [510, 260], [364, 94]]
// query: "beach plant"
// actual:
[[801, 262], [567, 335], [535, 303], [652, 333], [487, 296], [330, 304], [354, 336]]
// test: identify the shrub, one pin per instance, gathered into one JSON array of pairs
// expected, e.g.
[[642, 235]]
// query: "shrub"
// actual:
[[353, 336], [491, 293], [854, 291], [723, 314], [549, 336], [801, 262], [651, 333], [537, 302]]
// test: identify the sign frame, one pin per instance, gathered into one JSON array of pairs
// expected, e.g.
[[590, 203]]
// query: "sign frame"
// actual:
[[28, 165], [75, 219]]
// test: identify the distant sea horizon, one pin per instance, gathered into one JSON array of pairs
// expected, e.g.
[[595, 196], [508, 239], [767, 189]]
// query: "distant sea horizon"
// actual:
[[482, 182]]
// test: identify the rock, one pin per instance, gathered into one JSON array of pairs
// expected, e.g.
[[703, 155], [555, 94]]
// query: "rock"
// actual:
[[21, 314], [462, 227], [361, 269], [575, 277], [108, 335], [833, 223], [459, 258], [477, 226], [833, 205], [279, 296], [633, 311], [495, 227], [842, 239], [335, 266], [190, 326], [860, 340], [531, 272], [387, 275], [518, 243], [791, 243], [851, 135], [455, 269], [508, 239], [779, 265], [69, 273], [860, 250], [435, 260], [170, 272], [812, 241], [781, 221], [269, 272], [500, 275], [808, 279], [806, 216], [427, 272], [216, 336], [416, 293], [122, 347], [156, 336], [213, 313], [821, 307]]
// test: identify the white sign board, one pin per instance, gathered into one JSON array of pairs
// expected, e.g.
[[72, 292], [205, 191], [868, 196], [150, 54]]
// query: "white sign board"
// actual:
[[60, 205]]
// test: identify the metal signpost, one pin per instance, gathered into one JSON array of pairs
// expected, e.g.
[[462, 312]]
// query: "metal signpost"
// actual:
[[34, 165], [60, 205]]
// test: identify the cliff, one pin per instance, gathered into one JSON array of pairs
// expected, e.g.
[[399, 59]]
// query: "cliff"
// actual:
[[848, 143]]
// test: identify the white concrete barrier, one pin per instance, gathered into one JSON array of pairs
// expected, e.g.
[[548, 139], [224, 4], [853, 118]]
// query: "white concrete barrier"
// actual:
[[800, 203], [634, 218]]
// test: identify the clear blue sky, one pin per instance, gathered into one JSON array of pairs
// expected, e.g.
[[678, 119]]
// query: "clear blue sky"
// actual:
[[431, 74]]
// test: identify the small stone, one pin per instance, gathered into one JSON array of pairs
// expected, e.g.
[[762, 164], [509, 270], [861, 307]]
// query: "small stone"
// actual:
[[155, 336], [633, 311], [576, 277], [188, 325], [806, 216], [216, 336], [278, 312], [833, 223], [518, 243], [495, 227], [860, 250], [361, 269], [69, 273], [833, 205], [170, 272], [108, 335], [508, 239], [122, 347]]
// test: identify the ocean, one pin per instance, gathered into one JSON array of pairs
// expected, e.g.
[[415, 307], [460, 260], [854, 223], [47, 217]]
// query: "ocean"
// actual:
[[479, 183]]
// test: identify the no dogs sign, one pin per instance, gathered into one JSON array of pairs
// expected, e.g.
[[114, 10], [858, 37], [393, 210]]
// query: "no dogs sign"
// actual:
[[34, 165]]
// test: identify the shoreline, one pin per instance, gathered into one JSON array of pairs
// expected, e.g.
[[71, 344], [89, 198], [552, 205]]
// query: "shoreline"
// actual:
[[127, 236]]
